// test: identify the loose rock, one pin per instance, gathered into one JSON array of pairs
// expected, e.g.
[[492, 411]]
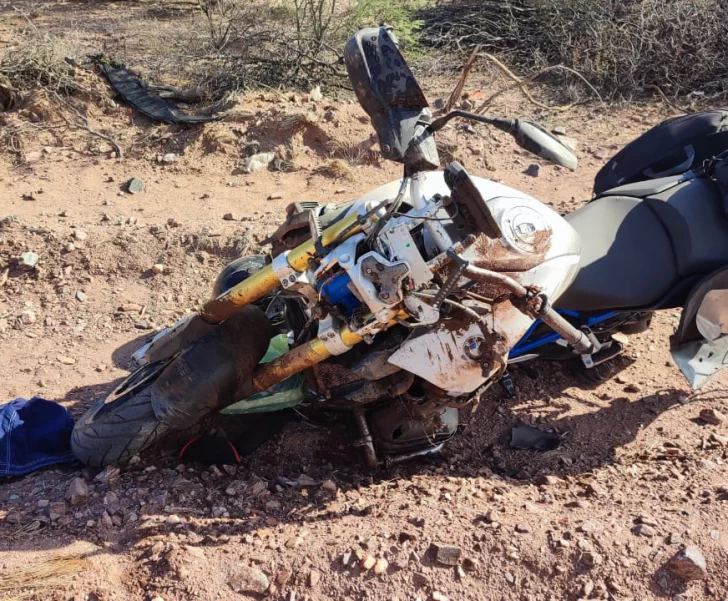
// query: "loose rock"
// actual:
[[448, 555], [688, 564], [249, 580], [258, 161], [644, 530], [135, 185], [712, 416], [77, 492], [533, 170], [28, 261], [108, 474], [368, 562], [381, 566]]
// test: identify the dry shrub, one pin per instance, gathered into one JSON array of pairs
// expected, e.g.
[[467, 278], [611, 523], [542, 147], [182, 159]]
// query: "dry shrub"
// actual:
[[621, 46], [336, 169], [26, 581], [39, 62], [354, 153]]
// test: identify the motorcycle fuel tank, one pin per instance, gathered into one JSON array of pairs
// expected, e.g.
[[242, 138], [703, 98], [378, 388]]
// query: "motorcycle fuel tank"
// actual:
[[538, 248]]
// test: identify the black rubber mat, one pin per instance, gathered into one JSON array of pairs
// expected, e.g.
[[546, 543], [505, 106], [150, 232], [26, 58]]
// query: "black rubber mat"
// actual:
[[137, 96]]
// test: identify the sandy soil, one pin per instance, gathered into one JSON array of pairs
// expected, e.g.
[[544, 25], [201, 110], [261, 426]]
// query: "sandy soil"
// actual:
[[638, 477]]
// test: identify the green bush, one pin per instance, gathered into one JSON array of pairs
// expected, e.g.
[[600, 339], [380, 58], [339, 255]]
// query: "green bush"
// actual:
[[400, 14]]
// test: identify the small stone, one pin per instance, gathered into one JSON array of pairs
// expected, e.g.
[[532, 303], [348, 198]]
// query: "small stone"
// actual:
[[168, 158], [381, 566], [70, 247], [172, 520], [674, 539], [258, 161], [315, 94], [130, 308], [229, 217], [448, 555], [275, 196], [329, 486], [523, 528], [108, 474], [644, 530], [510, 578], [28, 261], [80, 235], [283, 576], [135, 185], [549, 480], [346, 557], [560, 130], [219, 512], [595, 490], [56, 510], [470, 564], [688, 564], [111, 502], [81, 296], [633, 388], [77, 492], [65, 360], [249, 580], [648, 520], [273, 505], [533, 170], [491, 516], [438, 596], [314, 577], [42, 503], [158, 268], [368, 562], [592, 559], [712, 416], [28, 317]]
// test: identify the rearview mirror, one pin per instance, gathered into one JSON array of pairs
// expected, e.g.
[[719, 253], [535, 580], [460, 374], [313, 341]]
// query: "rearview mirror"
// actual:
[[536, 139]]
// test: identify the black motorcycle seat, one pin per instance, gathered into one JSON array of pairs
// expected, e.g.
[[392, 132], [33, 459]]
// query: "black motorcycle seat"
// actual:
[[635, 251]]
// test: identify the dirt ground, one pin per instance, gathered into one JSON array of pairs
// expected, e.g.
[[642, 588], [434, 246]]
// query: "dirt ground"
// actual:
[[638, 477]]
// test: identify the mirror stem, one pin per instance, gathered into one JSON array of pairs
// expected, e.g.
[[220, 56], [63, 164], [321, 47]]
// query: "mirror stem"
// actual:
[[507, 125]]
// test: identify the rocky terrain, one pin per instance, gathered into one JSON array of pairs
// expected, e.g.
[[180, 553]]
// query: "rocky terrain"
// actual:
[[632, 506]]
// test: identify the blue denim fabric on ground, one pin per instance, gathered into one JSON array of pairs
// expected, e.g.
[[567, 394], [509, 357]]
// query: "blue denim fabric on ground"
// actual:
[[34, 433]]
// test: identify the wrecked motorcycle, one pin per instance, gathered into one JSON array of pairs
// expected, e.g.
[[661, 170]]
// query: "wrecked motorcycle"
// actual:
[[403, 306]]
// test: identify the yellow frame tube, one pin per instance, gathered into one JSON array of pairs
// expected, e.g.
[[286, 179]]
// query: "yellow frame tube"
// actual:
[[266, 281], [302, 357]]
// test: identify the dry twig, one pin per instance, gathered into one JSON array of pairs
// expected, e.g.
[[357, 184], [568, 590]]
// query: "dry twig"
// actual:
[[82, 123]]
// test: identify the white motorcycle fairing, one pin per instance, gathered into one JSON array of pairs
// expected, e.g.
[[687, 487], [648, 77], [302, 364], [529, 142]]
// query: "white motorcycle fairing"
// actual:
[[538, 247]]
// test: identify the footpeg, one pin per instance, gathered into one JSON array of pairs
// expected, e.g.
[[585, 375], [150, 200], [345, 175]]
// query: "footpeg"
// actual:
[[604, 354]]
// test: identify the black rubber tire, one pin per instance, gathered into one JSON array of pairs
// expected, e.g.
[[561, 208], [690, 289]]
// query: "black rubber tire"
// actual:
[[237, 271], [175, 394], [113, 433]]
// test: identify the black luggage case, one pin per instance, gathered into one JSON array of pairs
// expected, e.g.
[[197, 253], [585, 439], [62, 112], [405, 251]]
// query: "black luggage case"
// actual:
[[674, 146]]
